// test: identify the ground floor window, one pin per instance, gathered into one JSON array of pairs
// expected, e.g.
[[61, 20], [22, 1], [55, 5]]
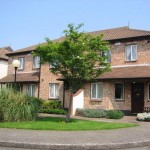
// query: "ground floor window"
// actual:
[[96, 90], [54, 90], [31, 90], [119, 91]]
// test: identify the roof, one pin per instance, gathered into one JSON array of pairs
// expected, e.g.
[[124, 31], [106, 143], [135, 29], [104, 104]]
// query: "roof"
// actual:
[[31, 48], [132, 72], [4, 51], [4, 57], [21, 77], [109, 34], [121, 33]]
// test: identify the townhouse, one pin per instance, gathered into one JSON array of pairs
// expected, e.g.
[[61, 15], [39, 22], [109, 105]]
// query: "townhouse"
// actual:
[[126, 87]]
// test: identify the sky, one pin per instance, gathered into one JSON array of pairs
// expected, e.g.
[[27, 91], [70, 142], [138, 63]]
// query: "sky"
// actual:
[[25, 23]]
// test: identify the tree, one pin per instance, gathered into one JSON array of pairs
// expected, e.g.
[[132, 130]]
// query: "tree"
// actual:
[[78, 58]]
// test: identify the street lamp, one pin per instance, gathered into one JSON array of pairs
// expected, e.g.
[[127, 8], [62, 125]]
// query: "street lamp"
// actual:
[[15, 64]]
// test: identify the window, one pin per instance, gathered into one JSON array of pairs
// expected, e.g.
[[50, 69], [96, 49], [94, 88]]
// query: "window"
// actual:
[[31, 90], [131, 52], [119, 91], [36, 62], [53, 90], [96, 90], [149, 91], [108, 55], [21, 60]]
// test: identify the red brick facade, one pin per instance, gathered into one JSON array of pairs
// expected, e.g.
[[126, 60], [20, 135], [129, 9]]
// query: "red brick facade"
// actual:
[[118, 60], [117, 47]]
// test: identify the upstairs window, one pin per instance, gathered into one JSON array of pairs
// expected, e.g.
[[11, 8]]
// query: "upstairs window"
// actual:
[[21, 60], [108, 55], [54, 90], [131, 52], [36, 62], [96, 90]]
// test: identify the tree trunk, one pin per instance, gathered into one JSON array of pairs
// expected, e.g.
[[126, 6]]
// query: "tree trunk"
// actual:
[[69, 108]]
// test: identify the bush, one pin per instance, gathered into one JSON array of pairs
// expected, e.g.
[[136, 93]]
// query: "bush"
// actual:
[[51, 104], [16, 106], [114, 114], [96, 113], [92, 113], [143, 116], [53, 111]]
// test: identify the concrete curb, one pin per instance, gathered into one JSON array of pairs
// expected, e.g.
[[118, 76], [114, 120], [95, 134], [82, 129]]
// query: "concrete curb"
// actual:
[[74, 146]]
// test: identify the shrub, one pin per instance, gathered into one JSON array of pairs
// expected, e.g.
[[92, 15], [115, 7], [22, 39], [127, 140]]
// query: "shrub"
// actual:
[[114, 114], [143, 116], [51, 104], [92, 113], [53, 111], [16, 106]]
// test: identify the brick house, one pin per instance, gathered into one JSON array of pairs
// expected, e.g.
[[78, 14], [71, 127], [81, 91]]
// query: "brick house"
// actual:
[[126, 87], [4, 61]]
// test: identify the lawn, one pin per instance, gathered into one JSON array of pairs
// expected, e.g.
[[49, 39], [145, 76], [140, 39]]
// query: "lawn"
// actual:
[[53, 123]]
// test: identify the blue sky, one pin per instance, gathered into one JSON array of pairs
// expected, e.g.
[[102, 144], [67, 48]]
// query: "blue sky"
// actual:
[[27, 22]]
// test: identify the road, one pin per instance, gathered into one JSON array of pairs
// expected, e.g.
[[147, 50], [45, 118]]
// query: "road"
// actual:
[[136, 148]]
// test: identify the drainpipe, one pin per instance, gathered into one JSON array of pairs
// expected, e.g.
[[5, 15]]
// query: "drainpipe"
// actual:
[[39, 81], [64, 94]]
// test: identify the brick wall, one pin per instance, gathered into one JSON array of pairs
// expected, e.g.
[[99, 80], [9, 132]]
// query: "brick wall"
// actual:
[[108, 101], [28, 64], [118, 53], [48, 77]]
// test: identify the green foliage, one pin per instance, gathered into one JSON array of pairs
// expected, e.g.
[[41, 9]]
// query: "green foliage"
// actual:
[[51, 104], [53, 111], [78, 57], [96, 113], [92, 113], [16, 106], [114, 114]]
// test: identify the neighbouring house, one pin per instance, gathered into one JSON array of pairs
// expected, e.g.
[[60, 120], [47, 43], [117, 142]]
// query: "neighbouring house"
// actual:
[[126, 87], [4, 61]]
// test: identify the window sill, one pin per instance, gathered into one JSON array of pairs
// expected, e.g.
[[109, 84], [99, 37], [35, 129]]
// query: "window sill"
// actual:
[[96, 100], [119, 100], [35, 68], [130, 60], [53, 98]]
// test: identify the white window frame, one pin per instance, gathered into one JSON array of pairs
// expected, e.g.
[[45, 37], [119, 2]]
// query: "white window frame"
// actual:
[[21, 60], [54, 97], [96, 83], [122, 92], [36, 62], [30, 87], [148, 91], [131, 49]]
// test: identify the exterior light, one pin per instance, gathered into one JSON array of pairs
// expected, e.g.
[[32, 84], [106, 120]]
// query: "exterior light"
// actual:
[[15, 64]]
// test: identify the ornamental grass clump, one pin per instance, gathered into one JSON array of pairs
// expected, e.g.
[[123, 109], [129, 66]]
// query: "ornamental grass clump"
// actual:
[[16, 106]]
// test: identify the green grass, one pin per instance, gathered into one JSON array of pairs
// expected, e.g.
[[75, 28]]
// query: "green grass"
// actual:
[[59, 124]]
